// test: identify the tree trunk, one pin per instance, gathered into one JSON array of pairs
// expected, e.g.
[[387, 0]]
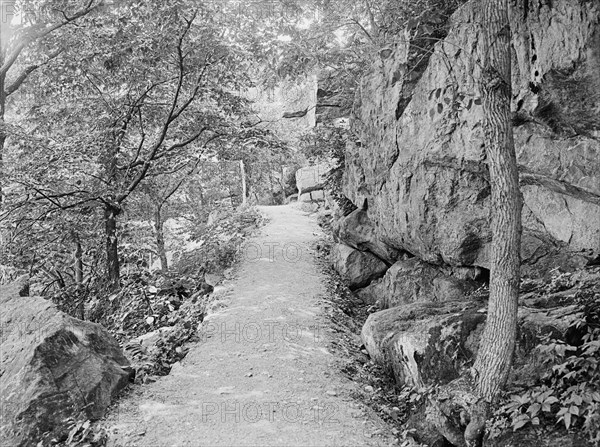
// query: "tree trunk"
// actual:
[[282, 183], [112, 247], [160, 239], [201, 193], [79, 277], [271, 188], [495, 355], [2, 114], [2, 144], [244, 187], [78, 264]]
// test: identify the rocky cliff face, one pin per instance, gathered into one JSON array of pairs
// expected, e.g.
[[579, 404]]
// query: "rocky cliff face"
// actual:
[[421, 164], [419, 177]]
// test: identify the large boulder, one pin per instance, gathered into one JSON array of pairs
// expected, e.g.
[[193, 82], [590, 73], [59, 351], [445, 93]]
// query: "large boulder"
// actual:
[[357, 268], [431, 343], [53, 367], [413, 280], [423, 343], [357, 231], [420, 160], [311, 178]]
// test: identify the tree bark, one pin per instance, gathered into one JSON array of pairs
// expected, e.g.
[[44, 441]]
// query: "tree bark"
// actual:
[[2, 144], [112, 246], [2, 114], [160, 239], [79, 277], [495, 355], [78, 263], [244, 187], [282, 184]]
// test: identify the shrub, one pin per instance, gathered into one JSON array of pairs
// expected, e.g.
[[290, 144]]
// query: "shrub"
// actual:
[[569, 394]]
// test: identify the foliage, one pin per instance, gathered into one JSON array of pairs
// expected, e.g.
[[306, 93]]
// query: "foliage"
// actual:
[[91, 127], [167, 305], [325, 141], [266, 157], [220, 242], [133, 99], [342, 37], [569, 393], [329, 142], [81, 432]]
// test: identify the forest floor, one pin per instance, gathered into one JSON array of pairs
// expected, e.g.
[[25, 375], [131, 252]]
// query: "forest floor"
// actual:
[[266, 371]]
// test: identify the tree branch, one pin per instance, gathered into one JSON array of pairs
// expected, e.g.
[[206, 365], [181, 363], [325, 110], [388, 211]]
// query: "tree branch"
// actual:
[[155, 156], [26, 72], [26, 40]]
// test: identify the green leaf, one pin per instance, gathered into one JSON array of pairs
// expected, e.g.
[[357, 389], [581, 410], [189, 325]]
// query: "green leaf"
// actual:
[[534, 409], [520, 422]]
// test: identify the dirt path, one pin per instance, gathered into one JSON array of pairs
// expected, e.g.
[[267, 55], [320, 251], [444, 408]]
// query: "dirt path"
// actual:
[[263, 374]]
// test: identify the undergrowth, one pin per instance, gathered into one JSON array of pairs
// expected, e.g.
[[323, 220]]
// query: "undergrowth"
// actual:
[[567, 396], [155, 315]]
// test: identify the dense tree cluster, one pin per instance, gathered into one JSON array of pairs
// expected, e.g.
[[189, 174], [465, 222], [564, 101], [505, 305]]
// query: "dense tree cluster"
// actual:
[[111, 110]]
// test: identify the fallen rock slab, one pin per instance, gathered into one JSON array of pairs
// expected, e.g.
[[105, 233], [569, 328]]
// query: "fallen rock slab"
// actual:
[[311, 178], [357, 268], [313, 196], [53, 367]]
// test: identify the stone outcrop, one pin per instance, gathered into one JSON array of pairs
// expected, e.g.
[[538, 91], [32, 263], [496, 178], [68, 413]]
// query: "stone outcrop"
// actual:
[[421, 164], [311, 179], [372, 294], [53, 367], [357, 268]]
